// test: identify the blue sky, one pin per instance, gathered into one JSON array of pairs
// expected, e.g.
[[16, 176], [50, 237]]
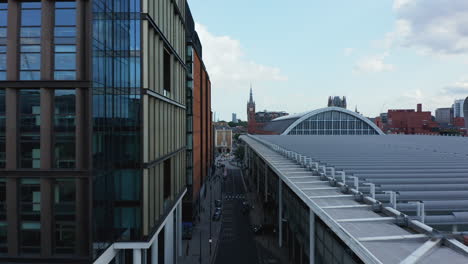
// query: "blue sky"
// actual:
[[379, 54]]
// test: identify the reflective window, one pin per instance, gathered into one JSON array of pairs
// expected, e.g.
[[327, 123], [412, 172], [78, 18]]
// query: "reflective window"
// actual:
[[65, 41], [64, 123], [30, 215], [2, 128], [30, 40], [3, 39], [64, 211], [30, 122], [3, 223], [333, 123]]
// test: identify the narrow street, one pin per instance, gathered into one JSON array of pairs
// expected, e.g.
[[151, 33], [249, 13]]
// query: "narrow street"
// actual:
[[237, 244]]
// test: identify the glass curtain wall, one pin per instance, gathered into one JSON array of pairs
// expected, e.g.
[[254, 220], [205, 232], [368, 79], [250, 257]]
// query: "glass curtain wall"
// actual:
[[30, 215], [64, 126], [116, 122], [333, 123], [30, 41], [3, 39], [2, 128], [65, 41], [30, 126]]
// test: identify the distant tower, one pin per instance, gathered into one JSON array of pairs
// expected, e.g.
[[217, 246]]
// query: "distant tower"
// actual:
[[336, 101], [251, 113]]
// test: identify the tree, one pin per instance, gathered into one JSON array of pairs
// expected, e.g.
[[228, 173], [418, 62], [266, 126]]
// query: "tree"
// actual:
[[239, 153]]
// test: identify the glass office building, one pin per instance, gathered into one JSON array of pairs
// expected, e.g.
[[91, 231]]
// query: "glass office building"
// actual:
[[92, 130]]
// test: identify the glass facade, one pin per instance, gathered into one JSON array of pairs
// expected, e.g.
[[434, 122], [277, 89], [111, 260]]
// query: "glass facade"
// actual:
[[3, 223], [116, 122], [30, 123], [65, 41], [333, 123], [30, 41], [30, 215], [64, 214], [2, 128], [64, 128], [3, 39]]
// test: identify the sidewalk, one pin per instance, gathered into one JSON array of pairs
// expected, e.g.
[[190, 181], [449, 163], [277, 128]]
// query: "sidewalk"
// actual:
[[201, 230]]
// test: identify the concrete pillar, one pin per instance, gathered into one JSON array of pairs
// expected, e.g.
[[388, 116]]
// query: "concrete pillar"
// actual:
[[169, 240], [47, 128], [136, 256], [280, 212], [154, 251], [266, 185], [179, 229], [311, 237], [12, 191], [46, 216]]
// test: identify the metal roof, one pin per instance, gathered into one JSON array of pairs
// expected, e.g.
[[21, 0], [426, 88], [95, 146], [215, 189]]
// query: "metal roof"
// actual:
[[405, 174]]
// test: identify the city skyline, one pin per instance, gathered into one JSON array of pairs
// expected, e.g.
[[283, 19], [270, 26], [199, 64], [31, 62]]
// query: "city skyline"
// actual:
[[379, 54]]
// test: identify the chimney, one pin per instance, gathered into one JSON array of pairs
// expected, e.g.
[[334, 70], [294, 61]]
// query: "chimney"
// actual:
[[419, 108]]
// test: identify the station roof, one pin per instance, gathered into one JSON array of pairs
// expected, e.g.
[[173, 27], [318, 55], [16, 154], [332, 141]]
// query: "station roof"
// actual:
[[331, 175]]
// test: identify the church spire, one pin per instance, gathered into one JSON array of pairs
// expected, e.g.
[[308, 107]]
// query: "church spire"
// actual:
[[251, 95]]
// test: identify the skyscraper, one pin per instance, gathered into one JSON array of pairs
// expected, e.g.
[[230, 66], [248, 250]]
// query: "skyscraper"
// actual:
[[465, 110], [92, 130], [458, 108], [234, 117]]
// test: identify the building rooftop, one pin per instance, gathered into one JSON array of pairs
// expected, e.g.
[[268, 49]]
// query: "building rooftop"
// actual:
[[420, 197]]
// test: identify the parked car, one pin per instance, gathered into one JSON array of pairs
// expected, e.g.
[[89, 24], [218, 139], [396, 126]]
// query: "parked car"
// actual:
[[257, 229], [245, 207], [218, 203], [217, 214], [187, 231]]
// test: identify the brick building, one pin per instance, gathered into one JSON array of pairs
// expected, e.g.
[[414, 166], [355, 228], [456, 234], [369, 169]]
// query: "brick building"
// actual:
[[199, 124], [257, 120], [409, 121]]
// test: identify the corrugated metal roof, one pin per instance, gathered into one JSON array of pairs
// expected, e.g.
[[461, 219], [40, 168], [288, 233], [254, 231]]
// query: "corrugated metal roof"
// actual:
[[372, 234]]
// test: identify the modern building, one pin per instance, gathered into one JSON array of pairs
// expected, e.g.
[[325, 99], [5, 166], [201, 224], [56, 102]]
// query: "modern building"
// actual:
[[199, 122], [234, 118], [223, 140], [458, 108], [409, 121], [256, 120], [93, 110], [336, 101], [465, 110], [324, 121], [444, 115], [363, 199]]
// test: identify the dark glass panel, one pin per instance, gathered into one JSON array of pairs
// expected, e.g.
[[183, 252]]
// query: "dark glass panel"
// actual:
[[33, 5], [30, 75], [64, 210], [30, 17], [65, 75], [2, 130], [3, 18], [65, 4], [3, 32], [65, 17], [2, 62], [30, 61], [30, 122], [64, 129], [30, 213], [65, 61]]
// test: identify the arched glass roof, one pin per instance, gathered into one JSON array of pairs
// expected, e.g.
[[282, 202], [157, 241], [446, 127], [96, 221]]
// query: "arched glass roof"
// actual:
[[331, 121]]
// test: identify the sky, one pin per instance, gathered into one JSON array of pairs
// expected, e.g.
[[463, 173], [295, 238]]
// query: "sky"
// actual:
[[380, 54]]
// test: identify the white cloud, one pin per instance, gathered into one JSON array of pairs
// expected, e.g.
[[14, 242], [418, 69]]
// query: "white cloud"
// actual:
[[348, 52], [226, 62], [436, 26], [458, 88], [373, 64], [231, 73]]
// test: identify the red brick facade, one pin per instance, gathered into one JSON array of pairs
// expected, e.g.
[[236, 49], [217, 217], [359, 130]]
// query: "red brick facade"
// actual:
[[409, 121]]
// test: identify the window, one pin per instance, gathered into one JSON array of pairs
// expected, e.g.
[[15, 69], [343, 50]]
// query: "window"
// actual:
[[167, 178], [65, 41], [30, 122], [64, 126], [3, 39], [30, 41], [3, 223], [30, 214], [64, 211], [2, 128], [167, 71]]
